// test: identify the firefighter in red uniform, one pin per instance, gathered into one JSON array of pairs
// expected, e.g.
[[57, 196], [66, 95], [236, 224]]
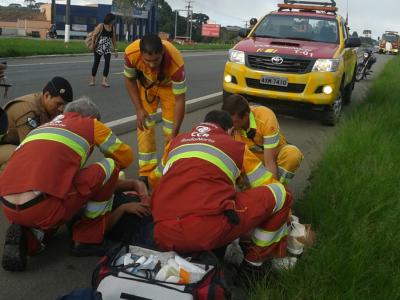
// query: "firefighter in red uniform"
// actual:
[[45, 184], [195, 205]]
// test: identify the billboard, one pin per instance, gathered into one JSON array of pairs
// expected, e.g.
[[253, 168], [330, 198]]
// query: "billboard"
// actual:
[[211, 30]]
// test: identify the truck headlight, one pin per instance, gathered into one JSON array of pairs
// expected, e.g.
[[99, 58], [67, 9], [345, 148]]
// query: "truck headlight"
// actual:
[[326, 65], [236, 56]]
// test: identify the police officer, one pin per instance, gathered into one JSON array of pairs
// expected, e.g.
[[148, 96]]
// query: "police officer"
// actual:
[[30, 111]]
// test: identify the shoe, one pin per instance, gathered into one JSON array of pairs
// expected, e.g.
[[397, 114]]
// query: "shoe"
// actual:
[[83, 249], [255, 271], [284, 263], [92, 84], [105, 84], [15, 249]]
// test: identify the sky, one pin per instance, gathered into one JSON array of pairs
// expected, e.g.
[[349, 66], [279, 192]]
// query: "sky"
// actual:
[[377, 16]]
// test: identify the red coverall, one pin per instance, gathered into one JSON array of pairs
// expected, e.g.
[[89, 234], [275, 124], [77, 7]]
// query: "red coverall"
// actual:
[[50, 161], [197, 187]]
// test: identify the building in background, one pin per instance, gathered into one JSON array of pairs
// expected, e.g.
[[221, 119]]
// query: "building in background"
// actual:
[[131, 22]]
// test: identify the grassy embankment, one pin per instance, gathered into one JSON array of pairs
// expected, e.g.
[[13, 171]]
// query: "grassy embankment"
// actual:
[[354, 205], [12, 47]]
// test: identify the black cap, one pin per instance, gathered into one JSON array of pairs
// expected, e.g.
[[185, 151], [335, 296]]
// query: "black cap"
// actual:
[[60, 86], [3, 123]]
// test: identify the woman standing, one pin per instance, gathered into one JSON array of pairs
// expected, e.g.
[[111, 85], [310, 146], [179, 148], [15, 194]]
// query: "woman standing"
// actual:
[[105, 44]]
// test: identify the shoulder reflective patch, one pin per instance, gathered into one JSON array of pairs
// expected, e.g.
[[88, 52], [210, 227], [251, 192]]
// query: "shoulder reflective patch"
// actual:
[[32, 123]]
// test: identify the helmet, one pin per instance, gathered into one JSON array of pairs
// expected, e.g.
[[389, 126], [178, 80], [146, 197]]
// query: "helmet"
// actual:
[[253, 21]]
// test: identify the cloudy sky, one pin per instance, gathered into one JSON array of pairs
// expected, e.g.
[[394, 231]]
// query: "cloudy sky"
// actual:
[[376, 15]]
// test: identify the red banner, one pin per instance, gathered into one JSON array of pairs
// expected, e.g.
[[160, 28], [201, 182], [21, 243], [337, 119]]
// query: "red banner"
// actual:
[[211, 30]]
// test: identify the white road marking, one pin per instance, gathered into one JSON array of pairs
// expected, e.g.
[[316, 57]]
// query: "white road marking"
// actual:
[[114, 59], [133, 118]]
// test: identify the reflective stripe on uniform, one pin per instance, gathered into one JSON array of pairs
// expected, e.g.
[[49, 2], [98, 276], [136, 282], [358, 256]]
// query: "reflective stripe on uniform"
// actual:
[[167, 126], [258, 175], [130, 72], [284, 175], [147, 158], [108, 166], [158, 171], [279, 194], [179, 87], [110, 144], [263, 238], [208, 153], [271, 141], [95, 209], [73, 141]]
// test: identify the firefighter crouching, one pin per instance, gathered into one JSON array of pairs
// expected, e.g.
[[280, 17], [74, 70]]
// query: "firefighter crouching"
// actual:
[[30, 111], [44, 184], [195, 205], [258, 128]]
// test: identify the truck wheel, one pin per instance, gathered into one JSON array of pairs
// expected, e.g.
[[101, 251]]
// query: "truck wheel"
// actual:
[[348, 90], [331, 114]]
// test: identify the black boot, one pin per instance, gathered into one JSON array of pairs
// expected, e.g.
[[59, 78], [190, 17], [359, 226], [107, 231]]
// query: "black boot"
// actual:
[[14, 253]]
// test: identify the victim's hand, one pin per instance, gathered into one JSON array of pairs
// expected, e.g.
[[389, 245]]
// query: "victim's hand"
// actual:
[[139, 209]]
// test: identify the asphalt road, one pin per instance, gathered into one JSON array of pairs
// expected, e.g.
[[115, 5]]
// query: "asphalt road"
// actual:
[[54, 272], [204, 72]]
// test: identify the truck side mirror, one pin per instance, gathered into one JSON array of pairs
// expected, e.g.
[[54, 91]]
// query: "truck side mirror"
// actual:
[[352, 42], [243, 33]]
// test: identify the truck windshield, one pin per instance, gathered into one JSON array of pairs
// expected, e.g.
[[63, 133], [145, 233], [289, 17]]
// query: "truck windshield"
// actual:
[[298, 28], [390, 38]]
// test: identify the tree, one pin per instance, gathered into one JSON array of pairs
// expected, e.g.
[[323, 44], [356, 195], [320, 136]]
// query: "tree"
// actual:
[[355, 34], [30, 3]]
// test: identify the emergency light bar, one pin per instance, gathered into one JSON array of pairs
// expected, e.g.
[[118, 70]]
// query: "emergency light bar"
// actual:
[[309, 6]]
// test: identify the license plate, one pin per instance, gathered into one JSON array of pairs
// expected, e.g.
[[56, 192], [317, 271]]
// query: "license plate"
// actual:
[[272, 80]]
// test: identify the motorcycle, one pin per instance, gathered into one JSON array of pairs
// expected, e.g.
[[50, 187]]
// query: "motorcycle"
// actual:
[[3, 78], [364, 68], [52, 32]]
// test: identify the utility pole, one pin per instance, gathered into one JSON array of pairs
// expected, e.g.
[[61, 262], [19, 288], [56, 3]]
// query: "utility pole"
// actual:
[[53, 11], [189, 28], [67, 24]]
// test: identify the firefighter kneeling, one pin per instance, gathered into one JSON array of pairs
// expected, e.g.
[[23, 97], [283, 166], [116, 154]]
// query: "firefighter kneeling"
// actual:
[[45, 184], [195, 205]]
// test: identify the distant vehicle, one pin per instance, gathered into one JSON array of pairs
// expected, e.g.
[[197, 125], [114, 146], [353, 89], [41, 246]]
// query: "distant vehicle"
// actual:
[[389, 43], [300, 56], [52, 32], [364, 67]]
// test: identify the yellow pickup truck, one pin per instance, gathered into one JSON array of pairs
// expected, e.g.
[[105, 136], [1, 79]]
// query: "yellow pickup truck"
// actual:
[[301, 55]]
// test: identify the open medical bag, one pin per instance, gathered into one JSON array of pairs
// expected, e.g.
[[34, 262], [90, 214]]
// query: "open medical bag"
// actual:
[[116, 279]]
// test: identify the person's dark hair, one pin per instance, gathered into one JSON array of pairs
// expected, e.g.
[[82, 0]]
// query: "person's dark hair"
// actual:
[[220, 118], [236, 105], [59, 86], [108, 18], [151, 44]]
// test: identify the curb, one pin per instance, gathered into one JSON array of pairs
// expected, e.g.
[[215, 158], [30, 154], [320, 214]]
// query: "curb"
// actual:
[[91, 54], [128, 124]]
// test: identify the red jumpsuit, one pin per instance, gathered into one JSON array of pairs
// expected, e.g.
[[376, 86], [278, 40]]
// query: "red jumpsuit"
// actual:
[[50, 161], [197, 187]]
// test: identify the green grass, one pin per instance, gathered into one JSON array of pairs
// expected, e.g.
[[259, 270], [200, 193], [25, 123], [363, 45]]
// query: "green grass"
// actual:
[[13, 47], [354, 205]]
